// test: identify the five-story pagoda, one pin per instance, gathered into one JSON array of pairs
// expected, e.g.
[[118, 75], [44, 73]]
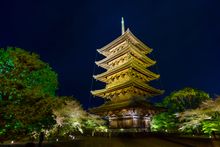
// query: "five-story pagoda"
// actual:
[[126, 79]]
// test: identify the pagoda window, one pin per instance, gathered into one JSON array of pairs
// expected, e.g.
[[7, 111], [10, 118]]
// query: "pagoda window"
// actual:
[[118, 62], [121, 77], [121, 61], [117, 94], [124, 92], [111, 79], [120, 94]]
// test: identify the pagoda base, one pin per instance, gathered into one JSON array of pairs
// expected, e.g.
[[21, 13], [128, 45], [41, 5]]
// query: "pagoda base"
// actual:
[[129, 130], [130, 121], [127, 115]]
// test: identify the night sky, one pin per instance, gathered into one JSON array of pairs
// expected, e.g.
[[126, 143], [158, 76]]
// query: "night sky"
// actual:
[[185, 36]]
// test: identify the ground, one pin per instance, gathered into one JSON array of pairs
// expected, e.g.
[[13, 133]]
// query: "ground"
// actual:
[[132, 141]]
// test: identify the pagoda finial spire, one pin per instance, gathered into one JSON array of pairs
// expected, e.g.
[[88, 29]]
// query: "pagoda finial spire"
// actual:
[[122, 26]]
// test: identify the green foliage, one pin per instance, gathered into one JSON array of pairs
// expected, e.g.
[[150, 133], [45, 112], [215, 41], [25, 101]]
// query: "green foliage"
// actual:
[[27, 93], [187, 98], [164, 122], [209, 126], [6, 63], [94, 123], [28, 103], [21, 70], [204, 119], [177, 102]]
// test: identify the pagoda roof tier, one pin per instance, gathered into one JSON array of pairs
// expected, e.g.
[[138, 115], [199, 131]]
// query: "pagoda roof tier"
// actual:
[[132, 74], [126, 36], [130, 64], [150, 91], [134, 103], [129, 49]]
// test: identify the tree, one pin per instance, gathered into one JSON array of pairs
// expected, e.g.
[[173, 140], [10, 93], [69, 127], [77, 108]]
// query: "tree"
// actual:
[[21, 70], [177, 102], [164, 122], [71, 118], [187, 98], [204, 119], [27, 92]]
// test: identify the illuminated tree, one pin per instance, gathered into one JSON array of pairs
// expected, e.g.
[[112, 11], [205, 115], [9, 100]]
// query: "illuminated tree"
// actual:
[[164, 122], [187, 98], [28, 103], [177, 102], [21, 70], [71, 118], [27, 92], [204, 119]]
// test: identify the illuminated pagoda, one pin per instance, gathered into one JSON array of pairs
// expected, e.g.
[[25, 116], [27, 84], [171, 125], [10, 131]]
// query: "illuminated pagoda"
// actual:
[[127, 87]]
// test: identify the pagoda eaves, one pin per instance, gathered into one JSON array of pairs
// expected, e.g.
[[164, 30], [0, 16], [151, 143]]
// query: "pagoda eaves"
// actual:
[[145, 88], [108, 107], [126, 36], [129, 65], [126, 52]]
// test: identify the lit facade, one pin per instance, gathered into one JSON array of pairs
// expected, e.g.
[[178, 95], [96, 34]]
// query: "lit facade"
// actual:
[[127, 83]]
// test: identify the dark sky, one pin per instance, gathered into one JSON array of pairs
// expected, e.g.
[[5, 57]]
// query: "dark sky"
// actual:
[[185, 36]]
